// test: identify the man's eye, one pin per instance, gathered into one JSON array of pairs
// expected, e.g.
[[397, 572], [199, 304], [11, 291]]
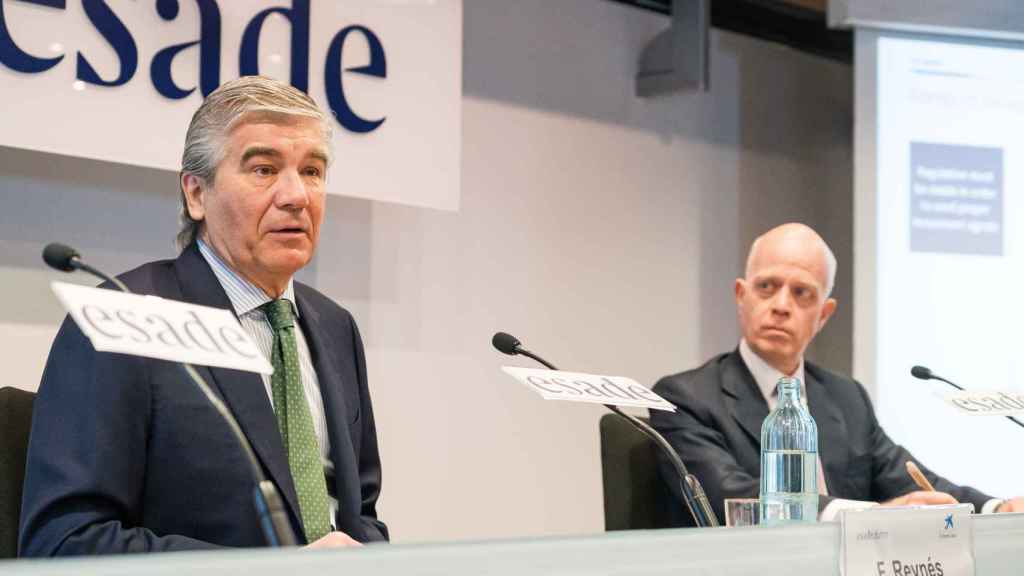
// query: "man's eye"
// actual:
[[263, 170], [803, 294], [313, 171]]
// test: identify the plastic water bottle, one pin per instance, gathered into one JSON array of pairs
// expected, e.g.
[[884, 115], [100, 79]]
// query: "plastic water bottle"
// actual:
[[789, 460]]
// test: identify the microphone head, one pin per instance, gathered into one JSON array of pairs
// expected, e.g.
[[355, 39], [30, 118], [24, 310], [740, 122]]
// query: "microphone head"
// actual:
[[506, 343], [60, 256], [921, 372]]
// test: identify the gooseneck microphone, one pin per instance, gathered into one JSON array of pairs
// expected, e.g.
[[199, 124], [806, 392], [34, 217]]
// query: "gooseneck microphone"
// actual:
[[61, 256], [925, 373], [509, 344], [269, 507], [67, 259], [693, 493]]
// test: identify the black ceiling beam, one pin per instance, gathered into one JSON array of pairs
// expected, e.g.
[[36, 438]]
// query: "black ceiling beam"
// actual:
[[800, 28]]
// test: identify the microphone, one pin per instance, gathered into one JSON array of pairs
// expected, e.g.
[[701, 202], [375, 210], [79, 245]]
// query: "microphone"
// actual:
[[509, 344], [925, 373], [61, 256], [693, 493], [269, 506], [67, 259], [922, 372], [506, 343]]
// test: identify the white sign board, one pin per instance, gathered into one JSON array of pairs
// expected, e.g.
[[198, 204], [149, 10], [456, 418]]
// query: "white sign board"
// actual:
[[592, 388], [922, 541], [987, 403], [159, 328], [119, 81]]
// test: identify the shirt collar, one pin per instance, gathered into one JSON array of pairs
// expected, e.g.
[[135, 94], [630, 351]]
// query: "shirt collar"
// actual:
[[244, 295], [766, 376]]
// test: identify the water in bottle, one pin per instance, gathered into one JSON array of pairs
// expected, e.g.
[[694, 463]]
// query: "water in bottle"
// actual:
[[789, 460]]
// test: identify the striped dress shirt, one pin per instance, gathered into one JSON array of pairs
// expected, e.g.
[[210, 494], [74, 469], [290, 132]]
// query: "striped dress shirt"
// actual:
[[246, 299]]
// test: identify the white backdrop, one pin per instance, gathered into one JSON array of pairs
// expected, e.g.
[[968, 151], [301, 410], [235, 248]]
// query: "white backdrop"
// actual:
[[413, 157]]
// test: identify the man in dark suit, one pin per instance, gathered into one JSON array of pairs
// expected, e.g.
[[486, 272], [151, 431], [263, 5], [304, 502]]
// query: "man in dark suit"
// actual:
[[783, 302], [126, 455]]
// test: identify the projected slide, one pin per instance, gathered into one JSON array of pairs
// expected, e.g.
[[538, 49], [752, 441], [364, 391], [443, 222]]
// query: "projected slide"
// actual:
[[956, 199], [949, 264]]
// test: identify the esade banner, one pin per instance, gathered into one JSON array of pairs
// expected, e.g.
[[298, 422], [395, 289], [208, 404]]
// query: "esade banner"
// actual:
[[119, 80]]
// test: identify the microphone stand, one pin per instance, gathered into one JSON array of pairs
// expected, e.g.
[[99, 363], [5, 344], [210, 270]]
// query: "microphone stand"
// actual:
[[269, 507], [693, 493]]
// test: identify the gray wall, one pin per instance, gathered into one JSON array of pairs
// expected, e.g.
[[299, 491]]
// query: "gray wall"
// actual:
[[604, 230]]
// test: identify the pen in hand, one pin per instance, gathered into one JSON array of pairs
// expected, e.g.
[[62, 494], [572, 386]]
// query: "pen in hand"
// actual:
[[918, 477]]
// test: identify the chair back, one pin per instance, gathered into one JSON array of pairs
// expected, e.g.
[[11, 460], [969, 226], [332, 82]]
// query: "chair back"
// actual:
[[635, 496], [15, 422]]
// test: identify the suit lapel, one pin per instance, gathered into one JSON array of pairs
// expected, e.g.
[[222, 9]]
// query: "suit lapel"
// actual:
[[833, 445], [243, 392], [743, 398], [329, 368]]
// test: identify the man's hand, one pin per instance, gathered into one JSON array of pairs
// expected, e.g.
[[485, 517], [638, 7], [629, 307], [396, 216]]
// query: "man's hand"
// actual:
[[1012, 505], [921, 498], [334, 540]]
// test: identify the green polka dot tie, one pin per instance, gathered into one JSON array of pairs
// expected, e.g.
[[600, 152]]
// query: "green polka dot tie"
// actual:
[[296, 424]]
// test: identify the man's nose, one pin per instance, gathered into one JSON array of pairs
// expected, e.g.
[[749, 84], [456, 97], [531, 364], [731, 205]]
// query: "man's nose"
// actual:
[[782, 303], [291, 192]]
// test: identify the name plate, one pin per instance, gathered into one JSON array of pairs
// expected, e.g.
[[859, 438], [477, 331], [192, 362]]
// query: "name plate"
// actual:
[[155, 327], [987, 403], [918, 541], [593, 388]]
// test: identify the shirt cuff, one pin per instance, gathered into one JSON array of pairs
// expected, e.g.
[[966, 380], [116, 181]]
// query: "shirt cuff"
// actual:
[[837, 505], [991, 506]]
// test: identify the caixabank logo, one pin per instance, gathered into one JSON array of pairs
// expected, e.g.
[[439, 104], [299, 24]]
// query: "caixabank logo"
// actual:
[[209, 45], [949, 530]]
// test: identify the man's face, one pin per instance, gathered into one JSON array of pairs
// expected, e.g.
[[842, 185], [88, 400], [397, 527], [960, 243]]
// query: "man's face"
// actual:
[[781, 303], [262, 212]]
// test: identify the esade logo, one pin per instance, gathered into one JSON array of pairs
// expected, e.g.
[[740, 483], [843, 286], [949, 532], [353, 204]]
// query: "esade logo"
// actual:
[[209, 45]]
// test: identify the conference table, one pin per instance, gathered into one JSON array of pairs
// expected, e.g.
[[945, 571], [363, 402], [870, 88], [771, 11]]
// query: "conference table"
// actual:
[[788, 551]]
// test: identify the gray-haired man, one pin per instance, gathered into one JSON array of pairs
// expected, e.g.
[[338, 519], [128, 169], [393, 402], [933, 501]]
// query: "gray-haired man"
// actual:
[[127, 457]]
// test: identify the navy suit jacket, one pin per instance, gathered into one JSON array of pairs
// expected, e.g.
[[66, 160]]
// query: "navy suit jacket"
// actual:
[[127, 455], [717, 432]]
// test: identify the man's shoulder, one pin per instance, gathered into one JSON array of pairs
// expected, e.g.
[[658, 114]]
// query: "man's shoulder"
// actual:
[[826, 375], [838, 384], [155, 278], [322, 303], [705, 377]]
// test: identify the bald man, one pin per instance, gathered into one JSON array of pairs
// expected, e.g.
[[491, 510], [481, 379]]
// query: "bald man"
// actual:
[[782, 303]]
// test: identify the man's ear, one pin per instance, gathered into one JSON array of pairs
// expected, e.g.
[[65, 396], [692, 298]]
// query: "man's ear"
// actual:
[[194, 190], [826, 312], [739, 289]]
